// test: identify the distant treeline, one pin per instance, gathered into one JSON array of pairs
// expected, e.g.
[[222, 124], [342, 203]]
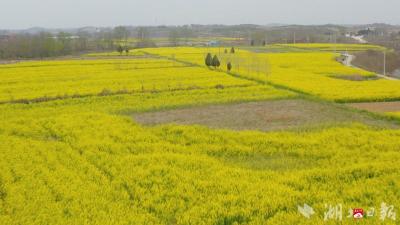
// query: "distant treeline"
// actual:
[[49, 45], [17, 45], [46, 44]]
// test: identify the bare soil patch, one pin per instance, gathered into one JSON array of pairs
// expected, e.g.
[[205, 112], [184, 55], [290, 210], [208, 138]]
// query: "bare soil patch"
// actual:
[[378, 106], [265, 116]]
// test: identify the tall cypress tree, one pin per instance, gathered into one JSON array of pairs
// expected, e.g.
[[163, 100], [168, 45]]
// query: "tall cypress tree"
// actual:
[[209, 60], [215, 62]]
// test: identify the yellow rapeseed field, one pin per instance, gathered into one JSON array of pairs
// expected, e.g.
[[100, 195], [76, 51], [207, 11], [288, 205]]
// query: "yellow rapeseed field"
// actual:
[[91, 167], [315, 73], [75, 161], [130, 53], [31, 80], [85, 160], [332, 47]]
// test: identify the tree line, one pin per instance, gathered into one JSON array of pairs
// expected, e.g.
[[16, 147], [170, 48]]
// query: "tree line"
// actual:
[[46, 44], [49, 45]]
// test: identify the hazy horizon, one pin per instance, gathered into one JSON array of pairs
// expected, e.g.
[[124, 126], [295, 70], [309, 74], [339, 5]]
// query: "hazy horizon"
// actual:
[[23, 14]]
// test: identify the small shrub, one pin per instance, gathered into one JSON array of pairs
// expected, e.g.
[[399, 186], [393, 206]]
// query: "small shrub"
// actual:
[[105, 92], [219, 86], [3, 193], [229, 66], [120, 49]]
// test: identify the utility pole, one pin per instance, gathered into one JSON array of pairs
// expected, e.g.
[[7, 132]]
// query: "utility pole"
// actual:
[[335, 43], [294, 37], [384, 63], [249, 37]]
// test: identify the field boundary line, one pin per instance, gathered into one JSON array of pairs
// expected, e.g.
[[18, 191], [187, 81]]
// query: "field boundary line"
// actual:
[[106, 92]]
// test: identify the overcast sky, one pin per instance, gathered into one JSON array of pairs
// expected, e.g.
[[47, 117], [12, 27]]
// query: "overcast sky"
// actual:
[[18, 14]]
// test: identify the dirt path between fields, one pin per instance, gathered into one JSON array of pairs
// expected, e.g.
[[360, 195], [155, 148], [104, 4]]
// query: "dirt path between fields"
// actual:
[[264, 116], [379, 107]]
